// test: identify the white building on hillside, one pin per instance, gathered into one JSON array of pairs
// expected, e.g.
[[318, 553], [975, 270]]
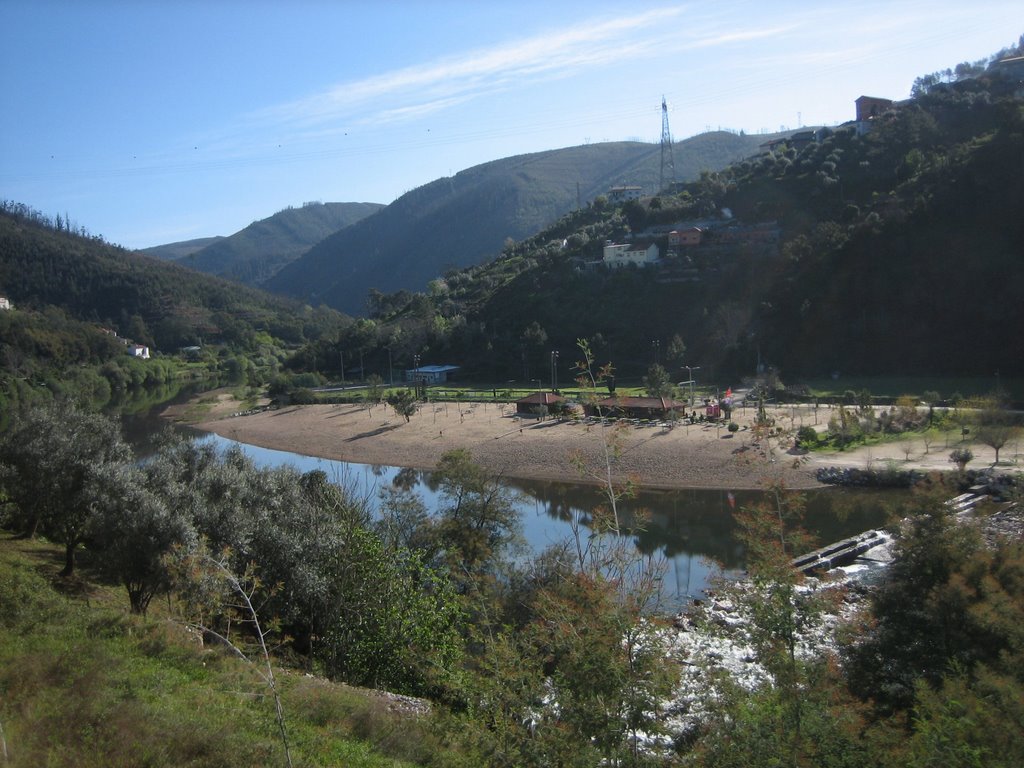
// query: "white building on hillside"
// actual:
[[621, 255]]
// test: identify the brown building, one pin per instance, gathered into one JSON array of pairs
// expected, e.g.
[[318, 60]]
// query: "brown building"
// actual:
[[684, 237], [636, 407], [870, 107], [535, 404]]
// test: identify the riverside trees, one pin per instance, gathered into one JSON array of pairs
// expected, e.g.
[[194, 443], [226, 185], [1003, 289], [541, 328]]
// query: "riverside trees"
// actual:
[[57, 461], [356, 609]]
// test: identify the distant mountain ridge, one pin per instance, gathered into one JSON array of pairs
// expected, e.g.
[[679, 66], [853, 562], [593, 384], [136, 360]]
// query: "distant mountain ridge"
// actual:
[[180, 249], [256, 253], [465, 219]]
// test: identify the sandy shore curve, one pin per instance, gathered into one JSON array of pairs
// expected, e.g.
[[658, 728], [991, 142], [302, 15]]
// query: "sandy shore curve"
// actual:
[[652, 456]]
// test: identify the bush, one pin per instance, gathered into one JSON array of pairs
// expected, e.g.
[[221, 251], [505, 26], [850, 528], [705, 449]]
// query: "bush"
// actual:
[[960, 457], [807, 437]]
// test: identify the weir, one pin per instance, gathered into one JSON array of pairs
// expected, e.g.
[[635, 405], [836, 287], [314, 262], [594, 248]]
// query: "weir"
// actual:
[[846, 551]]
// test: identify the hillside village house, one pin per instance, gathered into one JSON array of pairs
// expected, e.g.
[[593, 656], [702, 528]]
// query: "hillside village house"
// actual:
[[621, 255], [624, 194], [870, 107], [5, 303], [685, 237], [139, 351]]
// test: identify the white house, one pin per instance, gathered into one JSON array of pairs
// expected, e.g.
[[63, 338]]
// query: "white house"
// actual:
[[621, 255], [5, 303], [139, 351], [623, 193]]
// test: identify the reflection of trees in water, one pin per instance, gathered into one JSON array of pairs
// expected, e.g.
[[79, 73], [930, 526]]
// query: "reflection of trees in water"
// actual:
[[699, 523], [673, 523], [408, 479]]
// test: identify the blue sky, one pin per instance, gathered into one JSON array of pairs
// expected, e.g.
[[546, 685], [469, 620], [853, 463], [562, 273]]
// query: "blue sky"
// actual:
[[151, 122]]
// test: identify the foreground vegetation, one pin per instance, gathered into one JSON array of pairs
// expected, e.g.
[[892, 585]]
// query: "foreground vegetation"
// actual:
[[559, 660], [84, 683]]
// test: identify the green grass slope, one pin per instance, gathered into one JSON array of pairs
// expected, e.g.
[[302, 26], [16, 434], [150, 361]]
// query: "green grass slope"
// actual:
[[83, 683]]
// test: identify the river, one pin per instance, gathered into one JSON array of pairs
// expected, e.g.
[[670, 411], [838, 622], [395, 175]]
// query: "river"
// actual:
[[693, 530]]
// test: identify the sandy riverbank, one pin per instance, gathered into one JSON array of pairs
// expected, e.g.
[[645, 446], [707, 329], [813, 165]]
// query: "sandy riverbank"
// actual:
[[695, 456]]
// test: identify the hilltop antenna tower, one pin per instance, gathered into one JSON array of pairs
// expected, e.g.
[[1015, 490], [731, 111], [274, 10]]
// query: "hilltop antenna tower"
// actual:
[[668, 166]]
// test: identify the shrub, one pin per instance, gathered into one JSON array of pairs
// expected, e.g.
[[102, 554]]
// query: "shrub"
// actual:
[[807, 437], [960, 457]]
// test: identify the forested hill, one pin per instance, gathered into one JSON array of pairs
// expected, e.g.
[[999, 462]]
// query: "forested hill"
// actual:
[[465, 219], [901, 250], [895, 251], [257, 252], [152, 302], [181, 249]]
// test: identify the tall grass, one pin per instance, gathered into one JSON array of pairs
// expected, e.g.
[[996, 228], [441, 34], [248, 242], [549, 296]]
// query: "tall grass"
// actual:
[[84, 683]]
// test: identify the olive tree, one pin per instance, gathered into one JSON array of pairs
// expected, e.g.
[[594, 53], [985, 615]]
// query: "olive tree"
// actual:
[[135, 529], [55, 461]]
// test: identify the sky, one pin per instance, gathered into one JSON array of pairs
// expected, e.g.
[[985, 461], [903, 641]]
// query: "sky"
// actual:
[[153, 122]]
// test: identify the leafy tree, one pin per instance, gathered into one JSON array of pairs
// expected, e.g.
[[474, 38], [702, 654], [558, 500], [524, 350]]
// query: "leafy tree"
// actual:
[[478, 521], [404, 522], [934, 609], [135, 531], [404, 403], [57, 460], [658, 384], [960, 457], [676, 351], [996, 425]]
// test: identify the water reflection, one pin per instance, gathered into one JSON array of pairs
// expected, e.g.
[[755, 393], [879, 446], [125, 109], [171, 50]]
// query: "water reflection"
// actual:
[[693, 530]]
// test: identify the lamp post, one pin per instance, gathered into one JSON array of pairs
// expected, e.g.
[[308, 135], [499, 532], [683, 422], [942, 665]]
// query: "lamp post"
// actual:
[[391, 371], [689, 374], [656, 347], [554, 371]]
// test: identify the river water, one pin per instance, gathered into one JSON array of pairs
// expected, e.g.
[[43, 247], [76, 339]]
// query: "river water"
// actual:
[[693, 530]]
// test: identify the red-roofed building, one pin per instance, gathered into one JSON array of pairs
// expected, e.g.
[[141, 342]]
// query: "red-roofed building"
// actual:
[[636, 407], [535, 404]]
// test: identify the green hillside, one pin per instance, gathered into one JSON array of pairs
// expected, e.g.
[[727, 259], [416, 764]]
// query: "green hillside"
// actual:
[[257, 252], [466, 219], [894, 249], [179, 250], [155, 303], [69, 292]]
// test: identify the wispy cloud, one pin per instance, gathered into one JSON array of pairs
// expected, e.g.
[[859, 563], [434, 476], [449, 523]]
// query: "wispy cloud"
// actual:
[[433, 87], [412, 91], [742, 36]]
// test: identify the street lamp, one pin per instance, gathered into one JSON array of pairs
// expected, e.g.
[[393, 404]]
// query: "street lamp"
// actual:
[[391, 371], [656, 347], [689, 374], [554, 371]]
